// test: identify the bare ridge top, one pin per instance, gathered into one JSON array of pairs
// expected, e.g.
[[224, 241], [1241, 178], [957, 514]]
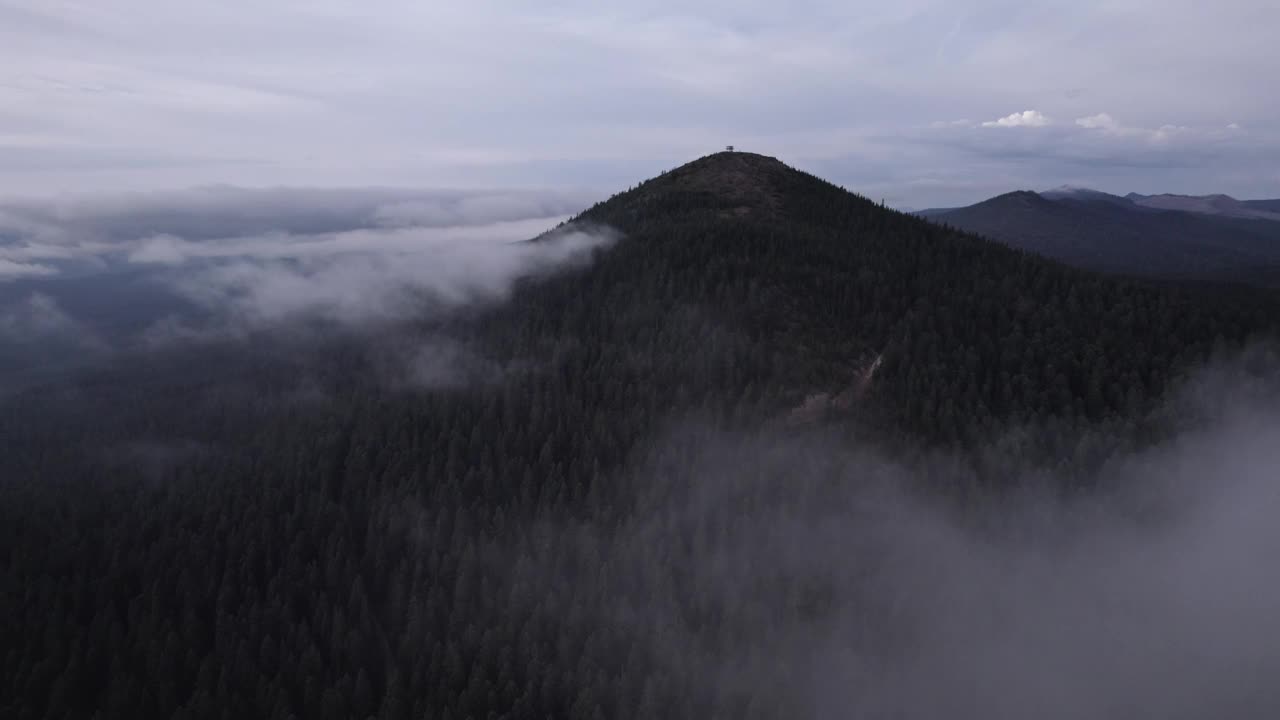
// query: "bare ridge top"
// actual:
[[745, 179]]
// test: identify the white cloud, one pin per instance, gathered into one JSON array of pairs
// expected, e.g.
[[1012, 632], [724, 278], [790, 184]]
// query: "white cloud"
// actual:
[[172, 250], [241, 260], [44, 236], [160, 250], [1165, 133], [1101, 121], [363, 275], [1026, 118]]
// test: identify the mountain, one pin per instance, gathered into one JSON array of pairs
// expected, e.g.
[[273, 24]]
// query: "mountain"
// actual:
[[1064, 192], [1069, 192], [618, 510], [1224, 205], [854, 252], [1149, 236], [1264, 205]]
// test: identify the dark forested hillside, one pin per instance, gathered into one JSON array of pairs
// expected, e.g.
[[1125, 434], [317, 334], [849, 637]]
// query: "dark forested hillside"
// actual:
[[267, 527], [972, 334], [1264, 205]]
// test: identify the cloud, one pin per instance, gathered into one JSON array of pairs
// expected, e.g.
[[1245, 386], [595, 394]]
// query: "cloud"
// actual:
[[39, 319], [434, 362], [10, 269], [88, 101], [393, 288], [1101, 121], [816, 578], [213, 265], [38, 314], [1169, 132], [161, 249], [207, 213], [1105, 123], [374, 275], [1026, 118], [171, 330], [475, 209], [293, 268], [92, 232], [1101, 151]]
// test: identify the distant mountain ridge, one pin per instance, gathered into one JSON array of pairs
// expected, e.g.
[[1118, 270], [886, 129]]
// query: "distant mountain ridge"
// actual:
[[1209, 205], [1210, 237], [1269, 205]]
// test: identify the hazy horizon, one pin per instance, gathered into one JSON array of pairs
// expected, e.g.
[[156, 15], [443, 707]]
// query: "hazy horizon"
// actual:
[[920, 104]]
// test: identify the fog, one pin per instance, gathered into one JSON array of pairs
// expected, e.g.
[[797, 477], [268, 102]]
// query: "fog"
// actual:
[[791, 573], [12, 269], [209, 213], [819, 579], [362, 275], [147, 271], [78, 233], [38, 316]]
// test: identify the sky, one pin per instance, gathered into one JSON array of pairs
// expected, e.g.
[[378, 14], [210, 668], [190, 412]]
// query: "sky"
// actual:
[[917, 102]]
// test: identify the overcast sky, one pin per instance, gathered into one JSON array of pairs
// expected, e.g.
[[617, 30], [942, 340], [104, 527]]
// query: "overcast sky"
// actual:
[[918, 102]]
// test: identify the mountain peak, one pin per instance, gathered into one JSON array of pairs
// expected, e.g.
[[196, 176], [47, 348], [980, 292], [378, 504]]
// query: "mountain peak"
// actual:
[[742, 179], [1016, 198], [1084, 194], [1069, 189], [728, 184]]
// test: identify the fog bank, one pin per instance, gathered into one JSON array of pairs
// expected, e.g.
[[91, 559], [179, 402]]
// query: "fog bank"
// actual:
[[794, 576]]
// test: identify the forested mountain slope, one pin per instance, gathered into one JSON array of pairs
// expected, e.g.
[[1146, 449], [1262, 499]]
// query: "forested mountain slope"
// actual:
[[972, 333], [1264, 205], [265, 527]]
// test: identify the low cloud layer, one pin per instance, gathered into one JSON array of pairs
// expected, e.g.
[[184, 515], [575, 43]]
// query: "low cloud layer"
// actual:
[[43, 237], [14, 269], [36, 317], [148, 271], [367, 276], [798, 576]]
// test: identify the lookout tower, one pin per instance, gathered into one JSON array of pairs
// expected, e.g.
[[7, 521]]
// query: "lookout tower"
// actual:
[[728, 148]]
